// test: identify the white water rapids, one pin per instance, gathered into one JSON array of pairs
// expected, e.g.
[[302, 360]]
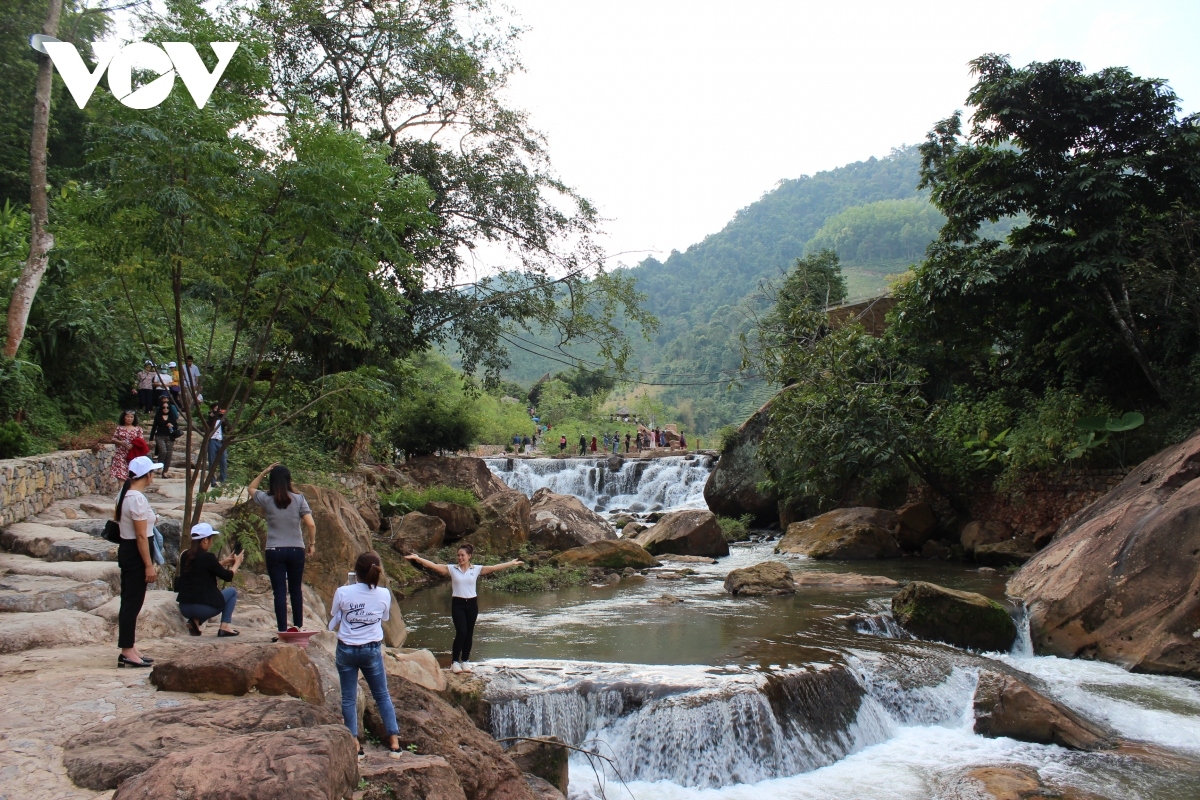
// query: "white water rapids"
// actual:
[[659, 484], [823, 695]]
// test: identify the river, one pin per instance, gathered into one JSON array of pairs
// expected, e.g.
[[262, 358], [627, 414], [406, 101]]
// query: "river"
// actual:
[[816, 695]]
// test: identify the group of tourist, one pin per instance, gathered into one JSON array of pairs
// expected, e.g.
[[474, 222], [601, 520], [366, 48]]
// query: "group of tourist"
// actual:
[[167, 380], [646, 439], [357, 613], [131, 443]]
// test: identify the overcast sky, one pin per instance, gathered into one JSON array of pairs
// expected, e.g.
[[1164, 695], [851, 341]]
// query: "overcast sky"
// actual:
[[673, 115]]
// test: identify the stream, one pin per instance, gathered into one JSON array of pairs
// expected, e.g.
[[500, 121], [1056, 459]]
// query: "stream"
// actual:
[[817, 695]]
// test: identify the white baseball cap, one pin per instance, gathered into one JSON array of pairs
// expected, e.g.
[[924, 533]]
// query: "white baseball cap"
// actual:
[[141, 465], [202, 530], [171, 364]]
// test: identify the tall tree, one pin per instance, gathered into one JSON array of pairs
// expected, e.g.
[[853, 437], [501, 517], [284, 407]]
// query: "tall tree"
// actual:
[[1099, 163]]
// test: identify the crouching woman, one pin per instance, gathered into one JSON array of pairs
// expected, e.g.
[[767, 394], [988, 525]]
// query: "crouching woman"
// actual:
[[196, 583], [358, 613]]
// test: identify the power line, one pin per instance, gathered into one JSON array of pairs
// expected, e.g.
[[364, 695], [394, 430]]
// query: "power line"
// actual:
[[595, 363], [597, 372]]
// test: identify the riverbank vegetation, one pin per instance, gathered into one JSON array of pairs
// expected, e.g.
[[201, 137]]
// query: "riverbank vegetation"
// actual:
[[1044, 349]]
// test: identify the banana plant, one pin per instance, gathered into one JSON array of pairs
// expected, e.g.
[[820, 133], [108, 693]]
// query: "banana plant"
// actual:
[[987, 449], [1106, 427]]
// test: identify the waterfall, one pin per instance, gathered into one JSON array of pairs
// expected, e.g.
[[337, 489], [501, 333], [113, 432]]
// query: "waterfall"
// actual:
[[1023, 646], [714, 728], [658, 484]]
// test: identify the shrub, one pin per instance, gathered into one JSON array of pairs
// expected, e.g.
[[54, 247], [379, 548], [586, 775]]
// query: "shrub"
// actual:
[[250, 531], [725, 437], [90, 437], [736, 530], [539, 579], [404, 500], [14, 440]]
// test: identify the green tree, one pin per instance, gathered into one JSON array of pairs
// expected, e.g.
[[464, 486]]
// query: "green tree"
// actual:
[[1104, 169]]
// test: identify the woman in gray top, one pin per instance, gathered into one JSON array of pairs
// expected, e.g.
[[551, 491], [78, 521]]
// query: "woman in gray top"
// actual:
[[286, 511]]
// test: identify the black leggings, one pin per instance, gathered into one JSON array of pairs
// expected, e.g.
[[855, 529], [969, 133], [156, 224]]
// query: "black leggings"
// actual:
[[285, 567], [133, 591], [464, 611]]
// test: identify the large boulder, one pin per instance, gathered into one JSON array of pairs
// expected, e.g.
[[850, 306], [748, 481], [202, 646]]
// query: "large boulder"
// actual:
[[342, 536], [1011, 553], [844, 533], [685, 533], [978, 533], [34, 539], [503, 523], [561, 521], [416, 532], [963, 619], [63, 628], [440, 729], [224, 668], [419, 666], [103, 756], [50, 593], [158, 619], [1004, 706], [320, 763], [410, 777], [545, 758], [732, 487], [769, 577], [607, 554], [457, 472], [460, 520], [918, 523], [1118, 582], [80, 571]]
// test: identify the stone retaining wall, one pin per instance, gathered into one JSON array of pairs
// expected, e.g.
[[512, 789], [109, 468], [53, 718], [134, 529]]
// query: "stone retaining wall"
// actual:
[[29, 485]]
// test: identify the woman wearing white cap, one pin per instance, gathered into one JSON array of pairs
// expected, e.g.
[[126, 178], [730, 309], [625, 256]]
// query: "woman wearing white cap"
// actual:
[[136, 519], [196, 584]]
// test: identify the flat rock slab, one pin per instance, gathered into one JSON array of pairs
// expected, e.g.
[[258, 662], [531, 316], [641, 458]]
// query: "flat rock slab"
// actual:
[[672, 558], [79, 571], [419, 666], [410, 777], [105, 755], [34, 539], [40, 593], [62, 628], [236, 668], [319, 762], [89, 549], [158, 619], [844, 581]]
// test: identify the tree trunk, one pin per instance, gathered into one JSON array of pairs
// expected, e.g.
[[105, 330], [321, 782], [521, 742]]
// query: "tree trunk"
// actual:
[[1133, 340], [40, 240]]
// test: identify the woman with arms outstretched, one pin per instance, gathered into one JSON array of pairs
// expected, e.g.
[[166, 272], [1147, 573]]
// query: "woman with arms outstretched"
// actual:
[[464, 606]]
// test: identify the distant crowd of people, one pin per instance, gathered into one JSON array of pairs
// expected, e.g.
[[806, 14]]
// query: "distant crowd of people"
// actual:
[[645, 439]]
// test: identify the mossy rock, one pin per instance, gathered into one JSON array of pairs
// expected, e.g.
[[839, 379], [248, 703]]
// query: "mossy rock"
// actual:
[[963, 619], [607, 554]]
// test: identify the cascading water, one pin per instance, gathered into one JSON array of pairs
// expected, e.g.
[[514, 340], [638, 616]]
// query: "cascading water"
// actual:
[[658, 484]]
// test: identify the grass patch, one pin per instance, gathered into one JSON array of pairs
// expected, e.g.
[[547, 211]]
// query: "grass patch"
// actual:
[[736, 530], [403, 501], [537, 579]]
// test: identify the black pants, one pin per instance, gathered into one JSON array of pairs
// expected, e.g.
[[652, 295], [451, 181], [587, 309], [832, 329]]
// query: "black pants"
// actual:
[[145, 399], [133, 591], [285, 566], [464, 611]]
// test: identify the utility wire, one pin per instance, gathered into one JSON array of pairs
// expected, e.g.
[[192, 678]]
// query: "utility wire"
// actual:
[[635, 369], [598, 372]]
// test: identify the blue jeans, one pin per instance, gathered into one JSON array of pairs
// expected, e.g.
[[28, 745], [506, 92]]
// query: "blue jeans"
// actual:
[[213, 446], [285, 566], [203, 612], [369, 658]]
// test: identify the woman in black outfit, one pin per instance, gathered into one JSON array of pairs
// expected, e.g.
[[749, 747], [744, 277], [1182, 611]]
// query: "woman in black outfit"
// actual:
[[198, 596], [162, 432]]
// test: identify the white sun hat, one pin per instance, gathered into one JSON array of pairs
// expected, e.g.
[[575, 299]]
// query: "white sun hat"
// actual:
[[141, 465]]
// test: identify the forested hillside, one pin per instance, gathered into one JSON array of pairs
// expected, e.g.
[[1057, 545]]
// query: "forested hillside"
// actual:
[[869, 212]]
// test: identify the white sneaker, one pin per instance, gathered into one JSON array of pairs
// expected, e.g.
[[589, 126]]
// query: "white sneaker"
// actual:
[[466, 668], [456, 667]]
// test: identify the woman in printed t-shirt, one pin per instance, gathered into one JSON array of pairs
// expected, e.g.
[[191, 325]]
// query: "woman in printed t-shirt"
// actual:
[[357, 614], [464, 606], [286, 511]]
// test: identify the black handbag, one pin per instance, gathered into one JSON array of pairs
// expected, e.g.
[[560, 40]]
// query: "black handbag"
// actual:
[[112, 528]]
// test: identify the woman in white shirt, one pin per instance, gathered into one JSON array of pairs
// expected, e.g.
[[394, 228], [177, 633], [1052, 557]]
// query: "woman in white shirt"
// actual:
[[464, 605], [136, 519], [357, 614]]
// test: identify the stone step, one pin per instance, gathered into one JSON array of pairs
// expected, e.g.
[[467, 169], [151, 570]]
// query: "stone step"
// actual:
[[89, 549], [35, 539], [30, 593], [78, 571]]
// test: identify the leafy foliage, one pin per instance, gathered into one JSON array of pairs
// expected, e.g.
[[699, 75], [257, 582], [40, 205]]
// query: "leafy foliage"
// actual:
[[404, 500], [736, 529], [536, 579]]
